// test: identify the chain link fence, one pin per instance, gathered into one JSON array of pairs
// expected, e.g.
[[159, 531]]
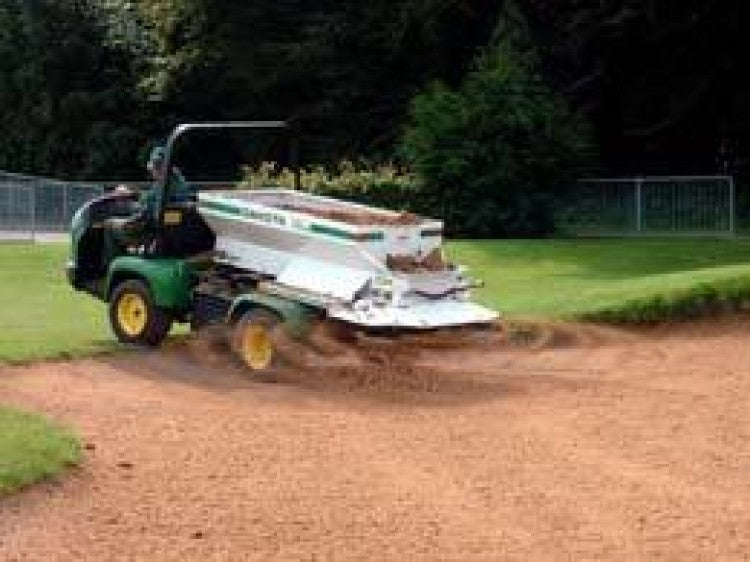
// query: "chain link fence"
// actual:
[[34, 207], [651, 206], [37, 208]]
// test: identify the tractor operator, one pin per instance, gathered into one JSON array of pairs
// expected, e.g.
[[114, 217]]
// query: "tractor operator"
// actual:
[[131, 231], [179, 190]]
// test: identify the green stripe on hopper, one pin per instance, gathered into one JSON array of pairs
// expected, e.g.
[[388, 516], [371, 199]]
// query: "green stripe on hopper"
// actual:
[[223, 207], [338, 233]]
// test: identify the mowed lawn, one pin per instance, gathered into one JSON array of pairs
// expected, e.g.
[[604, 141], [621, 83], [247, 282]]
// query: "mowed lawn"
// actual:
[[41, 316], [568, 278]]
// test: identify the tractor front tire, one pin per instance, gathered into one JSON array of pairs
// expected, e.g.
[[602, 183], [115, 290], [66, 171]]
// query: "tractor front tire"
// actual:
[[134, 316]]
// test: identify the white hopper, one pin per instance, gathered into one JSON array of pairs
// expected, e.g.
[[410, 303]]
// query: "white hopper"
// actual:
[[371, 266]]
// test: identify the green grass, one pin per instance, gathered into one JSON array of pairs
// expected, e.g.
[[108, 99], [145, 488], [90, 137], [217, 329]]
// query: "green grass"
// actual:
[[611, 280], [32, 448], [40, 315]]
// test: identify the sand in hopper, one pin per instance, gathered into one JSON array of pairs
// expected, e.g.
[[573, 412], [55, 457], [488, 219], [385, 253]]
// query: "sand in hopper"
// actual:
[[407, 264], [432, 262], [359, 218]]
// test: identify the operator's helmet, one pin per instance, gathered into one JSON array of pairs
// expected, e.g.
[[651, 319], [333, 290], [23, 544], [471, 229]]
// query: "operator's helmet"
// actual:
[[156, 160]]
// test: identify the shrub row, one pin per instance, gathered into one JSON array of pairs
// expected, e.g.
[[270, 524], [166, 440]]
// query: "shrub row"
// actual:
[[699, 301], [386, 186]]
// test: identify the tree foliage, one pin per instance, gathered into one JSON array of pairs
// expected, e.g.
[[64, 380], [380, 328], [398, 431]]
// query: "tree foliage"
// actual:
[[68, 96], [85, 85], [346, 70], [660, 80], [493, 153]]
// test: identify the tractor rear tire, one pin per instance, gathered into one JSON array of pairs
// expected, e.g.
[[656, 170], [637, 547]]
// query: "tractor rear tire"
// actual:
[[134, 316]]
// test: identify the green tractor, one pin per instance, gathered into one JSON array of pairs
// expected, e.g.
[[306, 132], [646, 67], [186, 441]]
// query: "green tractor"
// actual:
[[149, 262]]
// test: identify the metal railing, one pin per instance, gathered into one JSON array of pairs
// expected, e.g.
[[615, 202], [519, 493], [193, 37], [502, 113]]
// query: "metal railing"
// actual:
[[32, 206], [653, 206], [656, 206], [29, 205]]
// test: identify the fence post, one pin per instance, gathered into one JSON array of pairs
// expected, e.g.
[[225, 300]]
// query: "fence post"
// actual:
[[65, 205], [32, 193], [638, 206], [732, 208]]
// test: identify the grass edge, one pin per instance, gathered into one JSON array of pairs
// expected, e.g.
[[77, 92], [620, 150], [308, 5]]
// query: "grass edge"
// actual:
[[68, 451]]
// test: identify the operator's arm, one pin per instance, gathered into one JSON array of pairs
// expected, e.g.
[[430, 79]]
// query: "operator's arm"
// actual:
[[180, 190], [147, 202]]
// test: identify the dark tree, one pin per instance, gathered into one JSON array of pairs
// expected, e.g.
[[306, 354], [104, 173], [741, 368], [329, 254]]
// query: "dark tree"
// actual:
[[348, 70], [493, 154], [662, 81], [68, 96]]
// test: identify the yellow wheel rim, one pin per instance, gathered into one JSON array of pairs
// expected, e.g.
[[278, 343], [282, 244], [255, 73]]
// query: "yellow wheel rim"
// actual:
[[256, 346], [132, 314]]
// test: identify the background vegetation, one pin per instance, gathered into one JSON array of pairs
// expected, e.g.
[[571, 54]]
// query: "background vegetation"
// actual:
[[493, 102], [492, 155]]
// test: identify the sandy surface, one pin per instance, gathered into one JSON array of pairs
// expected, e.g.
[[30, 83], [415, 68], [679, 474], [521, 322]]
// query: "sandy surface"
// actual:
[[605, 446]]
